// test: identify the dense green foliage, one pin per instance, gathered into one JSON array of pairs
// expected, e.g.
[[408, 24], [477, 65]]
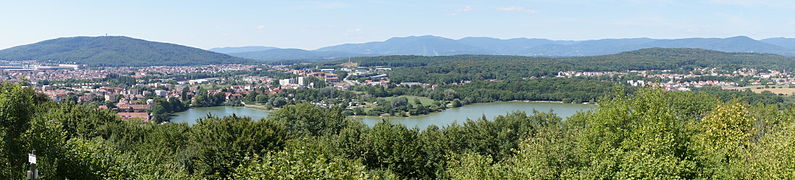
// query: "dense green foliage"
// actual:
[[651, 135], [638, 135], [165, 107], [547, 89], [208, 99], [115, 51]]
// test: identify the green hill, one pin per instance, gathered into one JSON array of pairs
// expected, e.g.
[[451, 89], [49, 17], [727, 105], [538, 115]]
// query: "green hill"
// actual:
[[115, 51]]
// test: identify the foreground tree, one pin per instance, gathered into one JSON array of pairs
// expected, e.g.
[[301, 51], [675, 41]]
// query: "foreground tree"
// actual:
[[221, 144]]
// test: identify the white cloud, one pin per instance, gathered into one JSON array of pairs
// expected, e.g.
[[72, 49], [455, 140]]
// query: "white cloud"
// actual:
[[465, 9], [260, 27], [462, 10], [737, 2], [770, 3], [517, 9], [329, 5], [354, 30]]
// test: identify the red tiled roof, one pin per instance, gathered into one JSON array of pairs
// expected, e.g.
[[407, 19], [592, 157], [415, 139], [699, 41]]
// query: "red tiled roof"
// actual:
[[131, 115]]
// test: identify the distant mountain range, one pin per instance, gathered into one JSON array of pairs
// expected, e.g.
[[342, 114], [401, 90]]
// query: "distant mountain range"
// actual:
[[228, 50], [125, 51], [295, 54], [440, 46], [116, 51]]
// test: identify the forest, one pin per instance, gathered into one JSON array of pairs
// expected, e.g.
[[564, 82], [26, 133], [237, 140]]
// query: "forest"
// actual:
[[647, 133], [116, 51]]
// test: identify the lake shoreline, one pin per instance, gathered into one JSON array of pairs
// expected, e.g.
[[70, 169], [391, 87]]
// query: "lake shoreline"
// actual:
[[475, 111], [193, 114], [495, 102], [449, 116]]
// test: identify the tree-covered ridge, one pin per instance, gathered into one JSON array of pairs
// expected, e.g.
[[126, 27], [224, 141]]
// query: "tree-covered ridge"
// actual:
[[293, 54], [449, 69], [115, 51], [440, 46]]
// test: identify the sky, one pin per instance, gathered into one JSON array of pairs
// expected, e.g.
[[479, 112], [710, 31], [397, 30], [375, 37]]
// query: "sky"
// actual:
[[311, 24]]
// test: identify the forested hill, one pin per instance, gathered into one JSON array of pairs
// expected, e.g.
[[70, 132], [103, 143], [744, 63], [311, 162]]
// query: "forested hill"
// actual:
[[653, 58], [446, 69], [115, 51], [440, 46], [294, 54], [672, 58]]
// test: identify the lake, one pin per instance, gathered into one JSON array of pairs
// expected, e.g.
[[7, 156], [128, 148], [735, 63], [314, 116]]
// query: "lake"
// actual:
[[475, 111], [191, 115], [444, 118]]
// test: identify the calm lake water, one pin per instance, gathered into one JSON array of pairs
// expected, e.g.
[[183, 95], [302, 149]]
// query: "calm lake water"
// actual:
[[475, 111], [444, 118], [192, 115]]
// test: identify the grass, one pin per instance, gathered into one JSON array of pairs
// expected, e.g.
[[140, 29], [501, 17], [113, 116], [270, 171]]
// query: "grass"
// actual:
[[785, 91], [424, 100]]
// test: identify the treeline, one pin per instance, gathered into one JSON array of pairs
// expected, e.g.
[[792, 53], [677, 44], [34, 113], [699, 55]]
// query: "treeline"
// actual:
[[647, 134], [208, 99], [569, 90], [652, 134], [746, 96], [163, 108], [329, 96], [402, 106]]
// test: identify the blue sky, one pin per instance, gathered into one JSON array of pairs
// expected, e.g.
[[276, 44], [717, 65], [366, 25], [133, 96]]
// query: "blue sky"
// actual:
[[311, 24]]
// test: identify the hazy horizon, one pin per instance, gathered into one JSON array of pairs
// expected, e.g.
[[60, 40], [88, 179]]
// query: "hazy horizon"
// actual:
[[314, 24]]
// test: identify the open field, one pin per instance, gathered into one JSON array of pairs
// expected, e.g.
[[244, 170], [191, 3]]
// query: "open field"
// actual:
[[781, 91], [424, 100]]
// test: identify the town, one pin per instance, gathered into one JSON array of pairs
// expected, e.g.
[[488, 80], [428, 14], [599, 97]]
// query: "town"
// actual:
[[132, 91]]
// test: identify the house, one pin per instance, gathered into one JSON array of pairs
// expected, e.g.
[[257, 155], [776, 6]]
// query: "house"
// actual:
[[332, 78], [317, 74], [124, 106], [134, 115], [233, 96]]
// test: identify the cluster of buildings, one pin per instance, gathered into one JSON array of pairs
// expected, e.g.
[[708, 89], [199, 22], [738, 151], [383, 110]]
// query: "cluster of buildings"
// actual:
[[35, 72], [679, 85], [135, 101], [695, 78]]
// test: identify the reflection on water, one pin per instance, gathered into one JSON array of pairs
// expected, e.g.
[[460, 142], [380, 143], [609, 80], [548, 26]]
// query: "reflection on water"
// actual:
[[476, 111], [441, 119], [192, 115]]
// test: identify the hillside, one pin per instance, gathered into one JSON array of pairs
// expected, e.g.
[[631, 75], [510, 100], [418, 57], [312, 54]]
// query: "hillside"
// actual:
[[115, 51], [413, 45], [782, 42], [733, 44], [440, 46]]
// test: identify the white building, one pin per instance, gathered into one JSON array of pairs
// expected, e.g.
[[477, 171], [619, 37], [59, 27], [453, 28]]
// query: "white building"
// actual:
[[161, 93], [285, 82]]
